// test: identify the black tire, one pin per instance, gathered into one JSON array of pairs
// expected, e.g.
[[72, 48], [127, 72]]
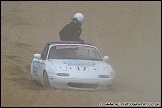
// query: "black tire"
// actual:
[[45, 80]]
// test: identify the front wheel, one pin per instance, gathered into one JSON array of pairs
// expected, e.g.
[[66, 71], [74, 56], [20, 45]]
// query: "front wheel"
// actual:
[[45, 80]]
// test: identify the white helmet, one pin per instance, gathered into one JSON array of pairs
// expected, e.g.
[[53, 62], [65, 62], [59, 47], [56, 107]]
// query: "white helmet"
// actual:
[[79, 17]]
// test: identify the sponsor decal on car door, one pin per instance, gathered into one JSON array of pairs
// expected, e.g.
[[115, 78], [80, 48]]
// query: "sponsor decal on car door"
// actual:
[[37, 68]]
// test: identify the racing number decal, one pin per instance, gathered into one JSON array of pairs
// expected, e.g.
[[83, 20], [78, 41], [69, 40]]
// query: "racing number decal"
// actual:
[[35, 73], [81, 68]]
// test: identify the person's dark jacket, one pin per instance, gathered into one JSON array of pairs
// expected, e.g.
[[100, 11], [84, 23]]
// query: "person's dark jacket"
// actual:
[[71, 32]]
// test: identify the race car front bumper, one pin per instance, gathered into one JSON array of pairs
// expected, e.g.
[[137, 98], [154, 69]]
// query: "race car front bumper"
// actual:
[[81, 84]]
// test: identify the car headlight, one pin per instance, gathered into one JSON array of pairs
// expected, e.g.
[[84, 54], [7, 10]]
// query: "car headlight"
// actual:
[[62, 74]]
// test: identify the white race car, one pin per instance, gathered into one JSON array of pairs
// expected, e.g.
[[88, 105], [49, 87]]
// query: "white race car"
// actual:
[[72, 65]]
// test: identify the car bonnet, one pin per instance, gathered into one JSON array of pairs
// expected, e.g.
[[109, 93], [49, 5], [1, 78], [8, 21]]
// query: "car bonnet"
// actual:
[[79, 65]]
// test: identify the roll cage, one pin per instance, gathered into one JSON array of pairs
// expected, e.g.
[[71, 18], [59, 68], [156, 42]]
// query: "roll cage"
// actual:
[[46, 48]]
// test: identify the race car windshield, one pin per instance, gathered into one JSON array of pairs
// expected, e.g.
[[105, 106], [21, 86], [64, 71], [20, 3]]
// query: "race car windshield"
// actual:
[[74, 52]]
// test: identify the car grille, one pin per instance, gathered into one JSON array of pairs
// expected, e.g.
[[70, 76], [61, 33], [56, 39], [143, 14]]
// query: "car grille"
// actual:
[[82, 85]]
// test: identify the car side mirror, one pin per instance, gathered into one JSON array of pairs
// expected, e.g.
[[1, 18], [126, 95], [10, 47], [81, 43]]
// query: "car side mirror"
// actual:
[[105, 58], [38, 56]]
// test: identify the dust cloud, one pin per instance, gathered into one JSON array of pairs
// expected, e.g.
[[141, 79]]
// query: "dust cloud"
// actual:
[[128, 32]]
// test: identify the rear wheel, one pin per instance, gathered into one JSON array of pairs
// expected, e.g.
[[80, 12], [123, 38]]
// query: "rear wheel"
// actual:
[[45, 80]]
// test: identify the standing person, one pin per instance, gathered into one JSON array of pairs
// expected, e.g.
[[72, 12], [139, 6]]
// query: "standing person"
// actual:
[[73, 30]]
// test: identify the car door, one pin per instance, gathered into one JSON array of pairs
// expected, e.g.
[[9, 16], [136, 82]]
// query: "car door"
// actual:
[[38, 65], [42, 62], [36, 69]]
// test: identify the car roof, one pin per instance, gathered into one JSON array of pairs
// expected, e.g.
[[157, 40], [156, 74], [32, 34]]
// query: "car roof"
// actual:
[[67, 42]]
